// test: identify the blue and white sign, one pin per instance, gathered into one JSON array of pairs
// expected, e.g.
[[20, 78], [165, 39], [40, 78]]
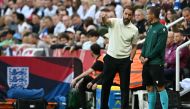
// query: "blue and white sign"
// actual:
[[18, 77]]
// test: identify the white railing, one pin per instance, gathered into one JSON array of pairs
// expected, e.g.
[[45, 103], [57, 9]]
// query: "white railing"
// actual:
[[178, 63], [177, 52], [174, 22], [167, 26]]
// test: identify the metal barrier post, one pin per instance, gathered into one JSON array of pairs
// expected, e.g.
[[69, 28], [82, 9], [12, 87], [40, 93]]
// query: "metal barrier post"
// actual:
[[178, 63]]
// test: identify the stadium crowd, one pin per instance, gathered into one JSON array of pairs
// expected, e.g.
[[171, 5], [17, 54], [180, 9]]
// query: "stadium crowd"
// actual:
[[76, 24]]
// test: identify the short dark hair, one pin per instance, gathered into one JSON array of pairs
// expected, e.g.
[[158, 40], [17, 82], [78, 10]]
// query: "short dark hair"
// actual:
[[178, 31], [20, 16], [95, 48], [88, 21], [59, 10], [63, 35], [186, 9], [155, 10], [75, 15], [105, 10], [10, 31], [130, 8], [93, 33]]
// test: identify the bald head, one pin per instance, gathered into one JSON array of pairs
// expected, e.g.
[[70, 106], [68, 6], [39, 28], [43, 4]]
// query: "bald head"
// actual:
[[186, 14], [170, 39]]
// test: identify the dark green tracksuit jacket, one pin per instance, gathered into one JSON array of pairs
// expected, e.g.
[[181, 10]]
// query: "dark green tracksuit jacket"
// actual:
[[155, 44]]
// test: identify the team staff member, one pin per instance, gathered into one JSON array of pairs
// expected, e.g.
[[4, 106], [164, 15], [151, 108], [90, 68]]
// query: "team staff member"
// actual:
[[152, 58], [84, 78], [81, 81], [123, 37]]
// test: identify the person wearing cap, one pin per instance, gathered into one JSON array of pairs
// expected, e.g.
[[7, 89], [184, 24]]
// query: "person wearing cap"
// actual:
[[71, 32], [123, 37]]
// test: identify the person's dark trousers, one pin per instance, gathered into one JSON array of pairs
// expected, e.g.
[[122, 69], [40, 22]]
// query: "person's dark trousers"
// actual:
[[111, 66], [82, 89]]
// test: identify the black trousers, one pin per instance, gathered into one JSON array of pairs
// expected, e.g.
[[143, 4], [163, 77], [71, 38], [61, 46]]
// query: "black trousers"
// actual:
[[82, 89], [111, 66]]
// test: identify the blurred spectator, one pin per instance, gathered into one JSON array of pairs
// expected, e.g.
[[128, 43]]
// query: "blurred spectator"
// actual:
[[170, 41], [140, 22], [34, 39], [8, 41], [55, 2], [53, 39], [84, 38], [77, 23], [17, 38], [9, 23], [170, 16], [95, 9], [143, 4], [2, 24], [25, 9], [17, 49], [30, 4], [68, 5], [59, 26], [50, 9], [111, 6], [177, 5], [117, 7], [62, 12], [35, 23], [71, 33], [9, 8], [67, 21], [75, 5], [46, 27], [88, 22], [22, 24], [167, 4], [59, 5], [126, 3], [93, 37], [179, 39], [39, 7], [171, 55], [62, 41], [170, 51], [83, 10], [49, 24], [185, 3], [186, 23]]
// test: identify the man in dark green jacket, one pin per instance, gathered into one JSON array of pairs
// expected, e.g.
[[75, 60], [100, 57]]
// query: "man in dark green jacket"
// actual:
[[152, 58]]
